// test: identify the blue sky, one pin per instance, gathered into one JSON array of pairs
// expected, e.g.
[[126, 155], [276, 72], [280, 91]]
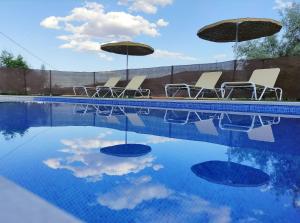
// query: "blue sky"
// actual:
[[67, 33]]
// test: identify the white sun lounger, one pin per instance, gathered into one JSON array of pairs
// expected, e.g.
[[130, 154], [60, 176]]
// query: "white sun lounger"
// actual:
[[133, 86], [112, 82], [206, 82], [261, 81]]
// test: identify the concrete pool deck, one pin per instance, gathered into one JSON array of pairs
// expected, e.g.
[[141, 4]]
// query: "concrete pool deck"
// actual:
[[20, 205], [265, 107]]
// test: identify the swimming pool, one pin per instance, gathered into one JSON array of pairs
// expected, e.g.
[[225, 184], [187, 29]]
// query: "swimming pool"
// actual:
[[101, 163]]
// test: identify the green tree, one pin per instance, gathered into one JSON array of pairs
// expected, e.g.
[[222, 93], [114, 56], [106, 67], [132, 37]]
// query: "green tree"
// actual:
[[7, 59], [288, 44]]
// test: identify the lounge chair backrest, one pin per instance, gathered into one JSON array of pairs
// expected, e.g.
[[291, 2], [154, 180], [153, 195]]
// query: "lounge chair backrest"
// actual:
[[135, 83], [265, 77], [112, 82], [208, 80]]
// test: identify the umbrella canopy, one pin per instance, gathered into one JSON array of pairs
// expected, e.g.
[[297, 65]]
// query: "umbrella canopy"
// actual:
[[127, 150], [238, 30], [231, 174], [128, 48]]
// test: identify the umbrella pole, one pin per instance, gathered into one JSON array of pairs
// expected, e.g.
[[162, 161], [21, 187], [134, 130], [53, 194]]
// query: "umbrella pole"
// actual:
[[235, 49], [126, 128], [127, 73]]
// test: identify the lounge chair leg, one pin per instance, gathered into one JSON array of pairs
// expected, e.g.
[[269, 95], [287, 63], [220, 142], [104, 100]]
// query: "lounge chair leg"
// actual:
[[262, 94], [230, 92], [122, 94], [173, 95], [203, 92], [86, 92], [96, 93], [254, 91], [166, 91], [216, 93], [198, 93], [279, 98], [74, 90], [189, 91], [280, 94]]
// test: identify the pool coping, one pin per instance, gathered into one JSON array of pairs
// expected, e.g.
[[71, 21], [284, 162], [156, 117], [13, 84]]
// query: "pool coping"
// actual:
[[265, 107]]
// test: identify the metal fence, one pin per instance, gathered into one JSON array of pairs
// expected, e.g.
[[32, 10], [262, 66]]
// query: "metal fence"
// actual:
[[51, 82]]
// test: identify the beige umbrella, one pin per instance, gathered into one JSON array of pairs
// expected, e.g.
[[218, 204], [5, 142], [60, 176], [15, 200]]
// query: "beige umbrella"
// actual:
[[238, 30], [128, 48]]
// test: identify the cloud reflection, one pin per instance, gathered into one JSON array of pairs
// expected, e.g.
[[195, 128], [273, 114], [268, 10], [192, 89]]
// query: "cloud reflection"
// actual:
[[174, 207], [85, 160], [130, 195]]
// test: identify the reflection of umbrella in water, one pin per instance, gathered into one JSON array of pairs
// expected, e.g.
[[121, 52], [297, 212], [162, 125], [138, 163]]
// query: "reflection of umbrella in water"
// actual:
[[127, 149], [128, 48], [231, 174]]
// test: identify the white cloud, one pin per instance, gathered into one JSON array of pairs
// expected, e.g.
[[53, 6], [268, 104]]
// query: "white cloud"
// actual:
[[221, 56], [282, 4], [51, 22], [146, 6], [172, 55], [162, 23], [104, 56], [89, 25]]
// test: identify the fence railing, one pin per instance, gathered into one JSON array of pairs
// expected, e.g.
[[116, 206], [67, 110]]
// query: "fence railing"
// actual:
[[52, 82]]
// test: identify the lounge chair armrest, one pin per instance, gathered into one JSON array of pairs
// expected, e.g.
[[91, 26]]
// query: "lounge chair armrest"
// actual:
[[176, 85], [90, 88], [117, 88]]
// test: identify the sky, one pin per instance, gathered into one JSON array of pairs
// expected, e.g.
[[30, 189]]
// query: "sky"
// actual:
[[66, 34]]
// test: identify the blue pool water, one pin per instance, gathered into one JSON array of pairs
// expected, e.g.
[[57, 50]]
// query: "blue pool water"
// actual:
[[116, 164]]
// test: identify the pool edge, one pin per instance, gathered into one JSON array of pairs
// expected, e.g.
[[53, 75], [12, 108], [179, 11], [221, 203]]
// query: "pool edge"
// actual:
[[267, 107]]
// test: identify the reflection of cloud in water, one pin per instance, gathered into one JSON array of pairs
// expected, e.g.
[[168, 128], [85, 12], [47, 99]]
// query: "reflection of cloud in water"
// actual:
[[176, 206], [83, 145], [159, 139], [94, 165], [85, 160], [133, 194]]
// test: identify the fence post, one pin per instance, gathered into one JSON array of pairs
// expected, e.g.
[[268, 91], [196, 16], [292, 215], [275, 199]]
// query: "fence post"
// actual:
[[94, 76], [50, 82], [234, 70], [172, 75], [25, 83]]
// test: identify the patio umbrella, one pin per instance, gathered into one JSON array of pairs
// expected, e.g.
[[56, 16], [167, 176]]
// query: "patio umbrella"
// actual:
[[128, 48], [239, 30], [230, 173]]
